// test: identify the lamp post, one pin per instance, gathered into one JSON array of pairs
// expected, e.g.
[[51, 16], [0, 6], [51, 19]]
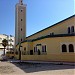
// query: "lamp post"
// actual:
[[20, 48]]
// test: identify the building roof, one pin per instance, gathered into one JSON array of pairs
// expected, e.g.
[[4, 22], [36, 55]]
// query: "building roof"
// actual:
[[52, 25], [54, 36], [50, 36]]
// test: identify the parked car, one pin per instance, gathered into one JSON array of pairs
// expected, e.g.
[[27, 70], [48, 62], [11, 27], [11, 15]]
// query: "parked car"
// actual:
[[3, 58]]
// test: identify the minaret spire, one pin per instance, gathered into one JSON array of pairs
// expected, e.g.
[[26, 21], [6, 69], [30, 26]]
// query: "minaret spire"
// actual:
[[21, 2]]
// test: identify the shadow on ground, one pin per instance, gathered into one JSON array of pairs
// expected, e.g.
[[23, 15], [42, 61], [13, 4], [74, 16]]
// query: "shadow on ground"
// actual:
[[36, 67]]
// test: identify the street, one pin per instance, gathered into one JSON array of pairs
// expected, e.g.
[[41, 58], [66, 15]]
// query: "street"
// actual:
[[7, 68]]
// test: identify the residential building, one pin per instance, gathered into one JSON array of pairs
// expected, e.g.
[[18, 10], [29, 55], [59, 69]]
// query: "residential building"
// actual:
[[10, 40]]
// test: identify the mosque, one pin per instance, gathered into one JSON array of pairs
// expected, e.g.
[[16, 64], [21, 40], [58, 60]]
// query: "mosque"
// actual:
[[54, 43]]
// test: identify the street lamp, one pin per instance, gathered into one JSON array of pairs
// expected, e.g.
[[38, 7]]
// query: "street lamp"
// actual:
[[20, 49]]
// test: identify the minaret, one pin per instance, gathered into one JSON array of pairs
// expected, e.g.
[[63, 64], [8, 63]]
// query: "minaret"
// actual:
[[20, 22], [21, 2]]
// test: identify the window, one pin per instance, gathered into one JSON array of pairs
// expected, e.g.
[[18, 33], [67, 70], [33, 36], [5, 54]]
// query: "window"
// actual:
[[21, 39], [64, 48], [21, 29], [68, 29], [35, 49], [24, 52], [12, 52], [21, 10], [24, 48], [52, 33], [71, 48], [31, 52], [44, 48], [72, 29], [21, 19], [21, 2]]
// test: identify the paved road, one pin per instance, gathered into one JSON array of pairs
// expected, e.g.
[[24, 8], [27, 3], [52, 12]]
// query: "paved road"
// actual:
[[7, 68]]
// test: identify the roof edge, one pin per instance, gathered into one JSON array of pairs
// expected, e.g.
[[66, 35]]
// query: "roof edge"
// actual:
[[51, 26], [48, 36], [53, 36]]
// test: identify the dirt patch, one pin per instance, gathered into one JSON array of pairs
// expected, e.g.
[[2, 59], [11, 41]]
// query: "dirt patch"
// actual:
[[6, 69]]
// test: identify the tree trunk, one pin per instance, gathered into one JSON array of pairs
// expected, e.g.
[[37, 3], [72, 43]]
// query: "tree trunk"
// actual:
[[4, 50]]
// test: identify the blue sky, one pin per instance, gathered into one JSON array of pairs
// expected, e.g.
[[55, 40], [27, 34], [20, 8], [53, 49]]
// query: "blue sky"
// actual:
[[40, 14]]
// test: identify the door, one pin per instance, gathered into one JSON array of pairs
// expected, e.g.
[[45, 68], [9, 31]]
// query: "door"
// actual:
[[31, 52]]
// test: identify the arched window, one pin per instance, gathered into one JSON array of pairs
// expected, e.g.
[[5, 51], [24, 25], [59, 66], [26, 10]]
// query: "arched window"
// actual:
[[64, 48], [44, 48], [68, 29], [35, 49], [24, 48], [71, 48], [72, 29], [21, 39]]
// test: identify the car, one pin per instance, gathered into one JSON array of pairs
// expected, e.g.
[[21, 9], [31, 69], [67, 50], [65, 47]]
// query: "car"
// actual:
[[3, 58]]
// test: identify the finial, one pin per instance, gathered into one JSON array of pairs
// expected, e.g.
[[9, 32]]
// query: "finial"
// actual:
[[21, 2]]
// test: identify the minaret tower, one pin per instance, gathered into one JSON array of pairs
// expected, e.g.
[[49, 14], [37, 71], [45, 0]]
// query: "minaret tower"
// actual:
[[21, 2], [20, 22]]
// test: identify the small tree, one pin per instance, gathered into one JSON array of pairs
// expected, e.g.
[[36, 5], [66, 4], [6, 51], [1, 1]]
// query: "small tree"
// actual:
[[4, 43]]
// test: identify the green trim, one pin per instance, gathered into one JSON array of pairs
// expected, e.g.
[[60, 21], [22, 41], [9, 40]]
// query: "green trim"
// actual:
[[52, 25], [49, 36], [27, 41], [53, 36]]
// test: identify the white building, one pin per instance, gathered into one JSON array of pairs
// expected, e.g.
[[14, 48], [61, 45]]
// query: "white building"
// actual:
[[11, 42]]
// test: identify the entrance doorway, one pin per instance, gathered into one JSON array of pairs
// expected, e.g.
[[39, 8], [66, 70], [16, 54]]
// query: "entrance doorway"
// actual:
[[38, 52], [31, 52]]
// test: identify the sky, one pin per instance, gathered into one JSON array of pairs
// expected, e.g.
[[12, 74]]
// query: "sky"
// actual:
[[40, 14]]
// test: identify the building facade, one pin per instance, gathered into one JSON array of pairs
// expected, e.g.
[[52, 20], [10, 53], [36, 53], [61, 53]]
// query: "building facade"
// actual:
[[11, 42], [2, 36], [54, 43]]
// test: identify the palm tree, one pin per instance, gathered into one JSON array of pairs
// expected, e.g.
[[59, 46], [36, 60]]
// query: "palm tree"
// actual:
[[4, 43]]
